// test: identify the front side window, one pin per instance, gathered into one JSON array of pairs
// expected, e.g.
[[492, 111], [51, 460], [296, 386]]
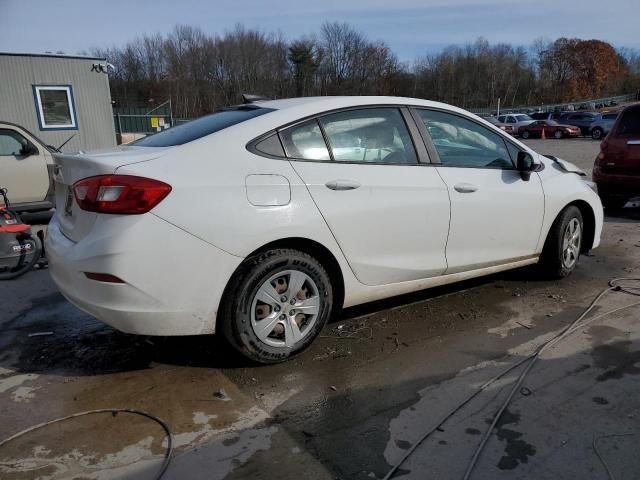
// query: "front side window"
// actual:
[[305, 141], [11, 143], [461, 142], [55, 107], [372, 135]]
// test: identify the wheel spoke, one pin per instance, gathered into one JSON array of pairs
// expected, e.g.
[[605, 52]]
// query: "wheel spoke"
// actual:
[[310, 306], [292, 334], [267, 294], [296, 281], [264, 327]]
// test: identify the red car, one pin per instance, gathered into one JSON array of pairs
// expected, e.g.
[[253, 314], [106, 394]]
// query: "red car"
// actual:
[[551, 129], [617, 168]]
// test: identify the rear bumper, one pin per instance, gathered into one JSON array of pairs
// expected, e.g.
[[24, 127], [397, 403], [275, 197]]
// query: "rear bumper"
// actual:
[[612, 184], [173, 280]]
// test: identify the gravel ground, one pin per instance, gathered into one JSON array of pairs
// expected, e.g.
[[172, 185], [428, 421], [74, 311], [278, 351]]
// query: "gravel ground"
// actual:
[[351, 406]]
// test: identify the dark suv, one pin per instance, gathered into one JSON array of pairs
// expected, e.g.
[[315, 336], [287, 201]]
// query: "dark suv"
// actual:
[[583, 120], [617, 167]]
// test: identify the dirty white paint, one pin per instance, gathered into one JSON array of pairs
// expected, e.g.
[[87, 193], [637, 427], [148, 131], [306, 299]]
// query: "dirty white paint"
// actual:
[[15, 381]]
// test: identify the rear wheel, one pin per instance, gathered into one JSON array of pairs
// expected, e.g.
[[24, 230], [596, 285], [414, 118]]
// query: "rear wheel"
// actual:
[[276, 305], [525, 134], [597, 133], [564, 242]]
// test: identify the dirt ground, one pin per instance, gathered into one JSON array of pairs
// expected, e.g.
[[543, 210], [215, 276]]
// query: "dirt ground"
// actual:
[[351, 406]]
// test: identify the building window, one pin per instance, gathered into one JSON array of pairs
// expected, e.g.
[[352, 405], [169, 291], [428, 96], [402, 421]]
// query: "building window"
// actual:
[[55, 107]]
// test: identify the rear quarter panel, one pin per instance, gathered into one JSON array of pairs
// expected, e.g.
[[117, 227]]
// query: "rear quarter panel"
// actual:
[[209, 198]]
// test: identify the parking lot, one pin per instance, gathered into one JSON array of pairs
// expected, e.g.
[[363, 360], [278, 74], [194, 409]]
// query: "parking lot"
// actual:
[[350, 407]]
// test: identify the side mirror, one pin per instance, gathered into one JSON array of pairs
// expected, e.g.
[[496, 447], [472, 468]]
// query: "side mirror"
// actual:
[[28, 150], [525, 165]]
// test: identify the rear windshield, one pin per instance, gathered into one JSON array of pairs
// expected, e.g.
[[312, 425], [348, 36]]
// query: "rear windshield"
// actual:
[[201, 127], [630, 122]]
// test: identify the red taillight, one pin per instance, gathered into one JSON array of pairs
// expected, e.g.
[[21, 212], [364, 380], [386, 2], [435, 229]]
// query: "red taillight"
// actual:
[[119, 194], [103, 277]]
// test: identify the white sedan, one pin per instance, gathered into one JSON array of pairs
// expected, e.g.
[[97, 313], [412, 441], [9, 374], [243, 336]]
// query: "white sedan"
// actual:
[[262, 220]]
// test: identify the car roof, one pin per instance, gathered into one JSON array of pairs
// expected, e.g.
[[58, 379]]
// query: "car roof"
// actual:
[[336, 102]]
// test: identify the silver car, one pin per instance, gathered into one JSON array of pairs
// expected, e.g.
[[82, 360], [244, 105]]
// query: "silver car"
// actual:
[[516, 120], [602, 124]]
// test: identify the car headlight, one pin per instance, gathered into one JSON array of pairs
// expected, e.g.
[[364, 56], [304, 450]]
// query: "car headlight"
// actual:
[[591, 185]]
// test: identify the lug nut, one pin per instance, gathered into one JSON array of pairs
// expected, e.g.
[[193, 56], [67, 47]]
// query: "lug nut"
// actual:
[[292, 313], [283, 317], [277, 308], [293, 301], [283, 299]]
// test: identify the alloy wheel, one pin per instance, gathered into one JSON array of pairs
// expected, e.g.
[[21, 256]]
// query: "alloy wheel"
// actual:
[[571, 241]]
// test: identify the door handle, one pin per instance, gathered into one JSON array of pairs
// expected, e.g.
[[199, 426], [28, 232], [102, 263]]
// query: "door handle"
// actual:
[[340, 185], [465, 187]]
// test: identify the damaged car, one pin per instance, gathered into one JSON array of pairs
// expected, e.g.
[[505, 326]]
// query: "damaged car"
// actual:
[[261, 221]]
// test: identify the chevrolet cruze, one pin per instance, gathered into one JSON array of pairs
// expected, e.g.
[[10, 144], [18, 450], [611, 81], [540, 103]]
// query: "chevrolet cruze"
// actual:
[[261, 221]]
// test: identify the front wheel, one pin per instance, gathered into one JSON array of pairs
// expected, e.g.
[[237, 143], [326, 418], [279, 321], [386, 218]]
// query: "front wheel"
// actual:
[[558, 134], [276, 305], [564, 242]]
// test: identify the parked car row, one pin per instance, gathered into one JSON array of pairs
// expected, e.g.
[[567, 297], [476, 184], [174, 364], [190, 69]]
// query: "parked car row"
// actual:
[[555, 124]]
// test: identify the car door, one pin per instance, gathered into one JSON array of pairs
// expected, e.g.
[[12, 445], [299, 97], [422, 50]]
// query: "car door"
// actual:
[[496, 216], [24, 176], [388, 211]]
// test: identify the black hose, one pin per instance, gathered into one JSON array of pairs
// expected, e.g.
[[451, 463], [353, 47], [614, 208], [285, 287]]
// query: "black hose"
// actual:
[[113, 411]]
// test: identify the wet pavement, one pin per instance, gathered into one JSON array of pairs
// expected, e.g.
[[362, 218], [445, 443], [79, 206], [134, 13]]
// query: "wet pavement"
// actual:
[[352, 405]]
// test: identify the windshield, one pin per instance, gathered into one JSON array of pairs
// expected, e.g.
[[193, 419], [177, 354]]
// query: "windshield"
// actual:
[[201, 127]]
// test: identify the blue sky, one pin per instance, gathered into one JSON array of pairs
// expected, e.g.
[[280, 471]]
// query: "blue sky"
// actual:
[[410, 27]]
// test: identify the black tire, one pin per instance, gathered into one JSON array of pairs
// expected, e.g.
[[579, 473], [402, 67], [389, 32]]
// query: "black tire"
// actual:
[[597, 133], [525, 134], [235, 315], [25, 267], [552, 261], [558, 134]]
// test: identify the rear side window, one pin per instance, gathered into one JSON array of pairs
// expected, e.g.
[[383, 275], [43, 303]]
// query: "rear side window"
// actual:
[[305, 141], [270, 146], [201, 127], [630, 122], [610, 116]]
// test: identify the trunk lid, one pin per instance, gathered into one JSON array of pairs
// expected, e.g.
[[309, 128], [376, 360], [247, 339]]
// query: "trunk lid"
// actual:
[[76, 223]]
